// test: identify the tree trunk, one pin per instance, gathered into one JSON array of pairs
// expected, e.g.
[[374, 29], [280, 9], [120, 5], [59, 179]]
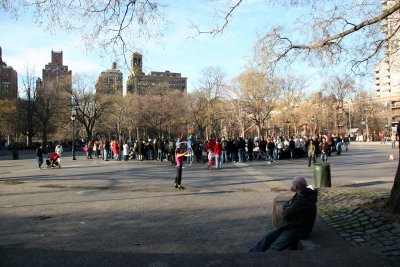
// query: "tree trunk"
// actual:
[[29, 140], [44, 136], [393, 203]]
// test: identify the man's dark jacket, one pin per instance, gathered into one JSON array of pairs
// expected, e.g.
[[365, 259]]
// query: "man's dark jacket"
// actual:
[[299, 213]]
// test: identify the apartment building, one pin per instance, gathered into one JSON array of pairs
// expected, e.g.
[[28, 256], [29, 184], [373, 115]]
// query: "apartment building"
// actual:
[[8, 80], [110, 81], [139, 82]]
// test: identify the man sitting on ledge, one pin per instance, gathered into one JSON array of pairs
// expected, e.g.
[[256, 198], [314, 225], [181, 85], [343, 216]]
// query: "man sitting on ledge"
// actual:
[[298, 218]]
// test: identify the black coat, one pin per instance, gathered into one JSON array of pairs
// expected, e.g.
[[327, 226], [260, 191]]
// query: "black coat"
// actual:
[[40, 151], [299, 213]]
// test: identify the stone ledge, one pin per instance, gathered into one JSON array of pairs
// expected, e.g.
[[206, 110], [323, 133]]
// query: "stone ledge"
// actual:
[[355, 256]]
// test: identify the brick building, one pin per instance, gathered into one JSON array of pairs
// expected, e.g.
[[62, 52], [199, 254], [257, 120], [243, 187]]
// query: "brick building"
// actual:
[[139, 82], [8, 81], [56, 76], [110, 82]]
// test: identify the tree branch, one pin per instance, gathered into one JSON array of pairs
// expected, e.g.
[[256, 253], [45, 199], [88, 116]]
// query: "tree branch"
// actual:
[[222, 28], [334, 40]]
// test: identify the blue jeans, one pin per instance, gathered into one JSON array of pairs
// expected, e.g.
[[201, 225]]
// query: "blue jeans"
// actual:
[[160, 155], [225, 156], [89, 153], [150, 154], [276, 240], [218, 161], [324, 157], [105, 154], [292, 154], [39, 161], [241, 154]]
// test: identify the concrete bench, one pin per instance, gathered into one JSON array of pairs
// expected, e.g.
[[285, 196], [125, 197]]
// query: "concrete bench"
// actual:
[[322, 235]]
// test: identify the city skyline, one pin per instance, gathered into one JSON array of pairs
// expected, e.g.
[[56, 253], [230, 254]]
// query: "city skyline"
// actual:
[[26, 45]]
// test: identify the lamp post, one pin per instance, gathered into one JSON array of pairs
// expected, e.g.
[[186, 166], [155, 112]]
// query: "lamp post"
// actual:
[[73, 134]]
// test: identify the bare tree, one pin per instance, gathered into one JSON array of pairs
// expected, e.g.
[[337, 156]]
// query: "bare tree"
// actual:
[[237, 112], [114, 25], [134, 113], [338, 89], [52, 105], [327, 31], [163, 109], [8, 117], [206, 102], [292, 94], [87, 104], [332, 31], [368, 111], [27, 107], [262, 92]]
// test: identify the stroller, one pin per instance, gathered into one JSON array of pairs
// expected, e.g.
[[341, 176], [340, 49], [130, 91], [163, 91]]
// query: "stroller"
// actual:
[[53, 161]]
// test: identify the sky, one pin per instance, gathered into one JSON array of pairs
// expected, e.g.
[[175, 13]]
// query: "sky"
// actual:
[[25, 44]]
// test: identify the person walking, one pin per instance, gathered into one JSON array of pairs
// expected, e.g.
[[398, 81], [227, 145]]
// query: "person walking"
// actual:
[[59, 151], [393, 139], [179, 164], [311, 152], [324, 150], [39, 155]]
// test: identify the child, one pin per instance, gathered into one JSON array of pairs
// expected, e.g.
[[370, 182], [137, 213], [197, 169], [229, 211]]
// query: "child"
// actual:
[[179, 163], [211, 159]]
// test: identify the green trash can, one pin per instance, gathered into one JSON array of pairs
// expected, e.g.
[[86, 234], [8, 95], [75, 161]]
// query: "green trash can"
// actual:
[[15, 155], [322, 175]]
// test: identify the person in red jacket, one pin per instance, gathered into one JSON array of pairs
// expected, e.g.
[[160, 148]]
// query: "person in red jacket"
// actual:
[[218, 154]]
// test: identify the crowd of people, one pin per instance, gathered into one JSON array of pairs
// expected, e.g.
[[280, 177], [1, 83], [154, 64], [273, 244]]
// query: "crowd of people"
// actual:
[[217, 151]]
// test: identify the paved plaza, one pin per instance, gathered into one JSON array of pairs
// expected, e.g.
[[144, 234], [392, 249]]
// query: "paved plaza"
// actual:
[[116, 206]]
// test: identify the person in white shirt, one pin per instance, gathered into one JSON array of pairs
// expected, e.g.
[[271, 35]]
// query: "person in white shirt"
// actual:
[[125, 151], [59, 150]]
